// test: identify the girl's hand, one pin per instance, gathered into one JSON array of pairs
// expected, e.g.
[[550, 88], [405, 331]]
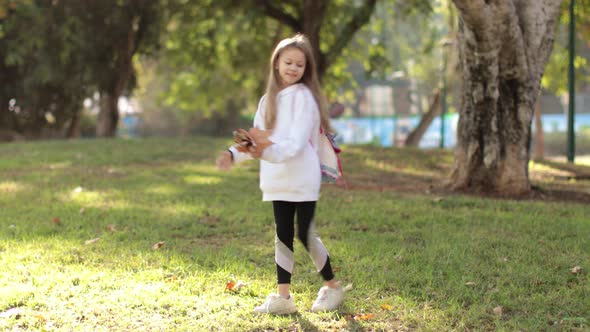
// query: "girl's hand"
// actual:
[[224, 161], [260, 137], [256, 151]]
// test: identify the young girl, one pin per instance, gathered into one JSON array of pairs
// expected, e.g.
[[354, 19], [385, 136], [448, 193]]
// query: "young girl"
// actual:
[[286, 132]]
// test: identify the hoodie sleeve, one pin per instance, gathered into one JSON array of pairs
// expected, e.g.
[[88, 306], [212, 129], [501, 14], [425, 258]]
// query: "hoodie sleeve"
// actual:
[[302, 107], [258, 123]]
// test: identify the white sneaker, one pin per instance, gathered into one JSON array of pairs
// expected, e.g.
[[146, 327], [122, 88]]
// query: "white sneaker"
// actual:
[[278, 305], [328, 299]]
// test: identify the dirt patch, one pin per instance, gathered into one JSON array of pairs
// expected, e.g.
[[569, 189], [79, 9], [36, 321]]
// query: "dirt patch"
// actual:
[[558, 182]]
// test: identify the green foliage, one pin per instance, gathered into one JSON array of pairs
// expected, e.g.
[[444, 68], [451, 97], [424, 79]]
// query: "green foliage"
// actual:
[[56, 53], [78, 220], [555, 78]]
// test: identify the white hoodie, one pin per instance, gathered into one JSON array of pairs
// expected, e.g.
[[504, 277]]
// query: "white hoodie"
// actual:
[[290, 167]]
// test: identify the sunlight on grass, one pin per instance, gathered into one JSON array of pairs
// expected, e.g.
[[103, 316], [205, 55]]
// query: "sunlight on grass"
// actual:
[[200, 179], [11, 187], [391, 168], [537, 167], [95, 199], [61, 165], [162, 190], [77, 246]]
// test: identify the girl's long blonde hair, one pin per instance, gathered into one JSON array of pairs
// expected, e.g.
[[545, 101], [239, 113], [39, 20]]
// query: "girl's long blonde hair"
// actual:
[[309, 78]]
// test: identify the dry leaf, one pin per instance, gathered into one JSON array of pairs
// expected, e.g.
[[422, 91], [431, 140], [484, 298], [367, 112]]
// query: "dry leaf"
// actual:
[[347, 288], [56, 221], [499, 311], [82, 210], [576, 270], [111, 228], [363, 317], [158, 245], [437, 200], [91, 241], [470, 283], [386, 307], [235, 286]]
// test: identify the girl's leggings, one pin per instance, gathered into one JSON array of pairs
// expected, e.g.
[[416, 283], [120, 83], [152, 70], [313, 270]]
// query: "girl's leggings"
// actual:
[[285, 232]]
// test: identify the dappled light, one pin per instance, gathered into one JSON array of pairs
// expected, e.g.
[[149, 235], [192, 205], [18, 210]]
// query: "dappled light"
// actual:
[[200, 179], [11, 187]]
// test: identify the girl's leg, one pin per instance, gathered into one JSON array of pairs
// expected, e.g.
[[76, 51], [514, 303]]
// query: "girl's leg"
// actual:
[[313, 244], [285, 232]]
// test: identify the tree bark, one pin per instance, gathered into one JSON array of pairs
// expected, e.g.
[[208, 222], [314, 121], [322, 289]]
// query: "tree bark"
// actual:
[[503, 48], [309, 22], [73, 130], [108, 116], [433, 110]]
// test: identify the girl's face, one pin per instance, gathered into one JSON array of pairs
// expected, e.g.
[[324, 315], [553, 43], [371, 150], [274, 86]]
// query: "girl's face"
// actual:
[[291, 66]]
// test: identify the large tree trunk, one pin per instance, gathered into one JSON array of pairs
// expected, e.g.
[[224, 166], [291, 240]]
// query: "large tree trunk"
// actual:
[[108, 116], [416, 135], [503, 46], [309, 20]]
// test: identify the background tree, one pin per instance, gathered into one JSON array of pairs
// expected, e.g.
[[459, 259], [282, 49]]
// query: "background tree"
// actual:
[[504, 46], [43, 77]]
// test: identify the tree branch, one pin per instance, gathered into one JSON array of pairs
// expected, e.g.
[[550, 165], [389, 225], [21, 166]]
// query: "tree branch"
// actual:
[[362, 15], [278, 14]]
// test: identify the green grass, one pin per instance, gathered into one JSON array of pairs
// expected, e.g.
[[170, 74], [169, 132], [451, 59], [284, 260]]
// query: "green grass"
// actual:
[[415, 261]]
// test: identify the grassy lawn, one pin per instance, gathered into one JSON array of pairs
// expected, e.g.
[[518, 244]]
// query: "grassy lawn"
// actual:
[[124, 235]]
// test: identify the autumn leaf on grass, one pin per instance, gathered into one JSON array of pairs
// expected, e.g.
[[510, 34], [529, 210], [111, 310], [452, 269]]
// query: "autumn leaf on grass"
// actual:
[[499, 311], [470, 283], [208, 219], [158, 245], [111, 228], [359, 317], [91, 241], [56, 221], [235, 286], [576, 270], [386, 307]]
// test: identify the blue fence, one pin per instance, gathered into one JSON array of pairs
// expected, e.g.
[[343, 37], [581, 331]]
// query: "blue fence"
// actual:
[[393, 131]]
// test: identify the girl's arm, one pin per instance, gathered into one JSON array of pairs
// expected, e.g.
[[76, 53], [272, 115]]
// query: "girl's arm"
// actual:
[[284, 148], [237, 156]]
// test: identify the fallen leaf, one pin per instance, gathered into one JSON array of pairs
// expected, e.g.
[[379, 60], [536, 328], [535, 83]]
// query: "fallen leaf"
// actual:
[[347, 288], [386, 307], [437, 200], [158, 245], [363, 317], [499, 311], [576, 270], [470, 283], [82, 210], [111, 228], [235, 286], [56, 221], [91, 241]]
